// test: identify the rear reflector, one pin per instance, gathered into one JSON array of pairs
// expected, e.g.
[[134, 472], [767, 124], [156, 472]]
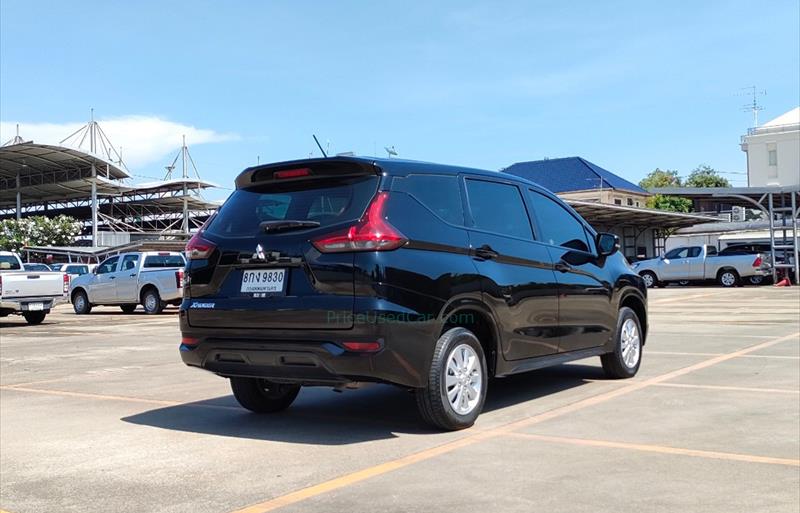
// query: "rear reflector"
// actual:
[[291, 173], [198, 248], [362, 347], [190, 341], [371, 233]]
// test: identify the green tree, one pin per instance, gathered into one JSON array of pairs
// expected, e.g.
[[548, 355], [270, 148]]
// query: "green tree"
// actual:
[[706, 176], [661, 178], [38, 231], [669, 203]]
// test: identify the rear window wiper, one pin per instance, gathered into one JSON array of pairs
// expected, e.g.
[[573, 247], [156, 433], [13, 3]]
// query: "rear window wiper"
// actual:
[[286, 225]]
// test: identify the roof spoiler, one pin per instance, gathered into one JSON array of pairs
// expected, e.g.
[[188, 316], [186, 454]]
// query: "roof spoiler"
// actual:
[[309, 169]]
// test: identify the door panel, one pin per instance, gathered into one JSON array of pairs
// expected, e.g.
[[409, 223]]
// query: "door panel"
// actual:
[[518, 282], [585, 317], [126, 283], [520, 287], [102, 287]]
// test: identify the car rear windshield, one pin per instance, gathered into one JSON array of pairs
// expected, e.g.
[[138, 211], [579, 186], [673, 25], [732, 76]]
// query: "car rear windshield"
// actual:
[[327, 202], [8, 262], [163, 261]]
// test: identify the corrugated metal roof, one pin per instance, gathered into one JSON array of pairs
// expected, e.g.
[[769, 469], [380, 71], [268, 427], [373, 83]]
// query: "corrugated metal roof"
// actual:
[[571, 174]]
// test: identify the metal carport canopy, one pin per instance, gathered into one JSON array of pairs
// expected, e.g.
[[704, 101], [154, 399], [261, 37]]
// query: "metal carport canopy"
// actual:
[[54, 173], [619, 215]]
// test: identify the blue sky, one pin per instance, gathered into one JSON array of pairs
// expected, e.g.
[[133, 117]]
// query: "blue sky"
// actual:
[[628, 85]]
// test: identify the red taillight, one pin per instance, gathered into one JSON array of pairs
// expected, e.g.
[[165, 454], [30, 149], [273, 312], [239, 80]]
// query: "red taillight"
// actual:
[[757, 262], [362, 347], [291, 173], [372, 233], [66, 283], [190, 341], [198, 248], [179, 278]]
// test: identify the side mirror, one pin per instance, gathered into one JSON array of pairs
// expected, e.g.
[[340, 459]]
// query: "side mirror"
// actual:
[[607, 244]]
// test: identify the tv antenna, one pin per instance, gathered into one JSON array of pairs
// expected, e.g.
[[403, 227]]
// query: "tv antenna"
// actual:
[[753, 107], [390, 151]]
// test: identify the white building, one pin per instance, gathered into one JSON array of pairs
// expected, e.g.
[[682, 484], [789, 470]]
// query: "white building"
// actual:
[[773, 151]]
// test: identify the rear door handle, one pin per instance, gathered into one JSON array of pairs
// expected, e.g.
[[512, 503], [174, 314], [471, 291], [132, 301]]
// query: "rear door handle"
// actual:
[[486, 252], [132, 275], [112, 277], [562, 267]]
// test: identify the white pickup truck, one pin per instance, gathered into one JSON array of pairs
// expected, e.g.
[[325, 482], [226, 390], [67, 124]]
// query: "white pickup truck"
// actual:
[[701, 263], [31, 294], [150, 278]]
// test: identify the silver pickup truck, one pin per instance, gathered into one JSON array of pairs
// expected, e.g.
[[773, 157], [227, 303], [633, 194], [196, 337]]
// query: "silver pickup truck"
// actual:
[[150, 278], [31, 294], [701, 263]]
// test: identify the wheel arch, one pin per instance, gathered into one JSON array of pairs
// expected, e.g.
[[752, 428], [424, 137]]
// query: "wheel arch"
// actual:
[[145, 287], [478, 318], [77, 289], [639, 306]]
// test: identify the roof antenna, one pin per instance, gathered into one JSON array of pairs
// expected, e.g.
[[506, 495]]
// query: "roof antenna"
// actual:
[[319, 146]]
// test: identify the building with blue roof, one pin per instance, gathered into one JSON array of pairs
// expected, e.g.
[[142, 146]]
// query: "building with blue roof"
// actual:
[[576, 178]]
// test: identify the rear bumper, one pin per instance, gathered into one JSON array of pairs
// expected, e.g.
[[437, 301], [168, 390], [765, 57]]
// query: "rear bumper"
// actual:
[[315, 357], [22, 304]]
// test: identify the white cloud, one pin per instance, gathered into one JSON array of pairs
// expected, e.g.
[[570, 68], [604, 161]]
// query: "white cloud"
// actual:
[[143, 139]]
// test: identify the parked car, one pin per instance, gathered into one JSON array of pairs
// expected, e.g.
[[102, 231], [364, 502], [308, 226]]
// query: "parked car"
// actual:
[[330, 272], [74, 270], [31, 294], [754, 248], [702, 263], [152, 279], [37, 267]]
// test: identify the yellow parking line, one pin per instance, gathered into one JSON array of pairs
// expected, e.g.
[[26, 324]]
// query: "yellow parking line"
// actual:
[[733, 389], [85, 395], [683, 353], [389, 466], [684, 298], [661, 449]]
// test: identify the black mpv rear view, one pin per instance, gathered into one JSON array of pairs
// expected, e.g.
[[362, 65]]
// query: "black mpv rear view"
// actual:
[[332, 272]]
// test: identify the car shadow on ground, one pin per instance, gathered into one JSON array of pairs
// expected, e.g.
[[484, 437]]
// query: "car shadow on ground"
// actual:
[[320, 416]]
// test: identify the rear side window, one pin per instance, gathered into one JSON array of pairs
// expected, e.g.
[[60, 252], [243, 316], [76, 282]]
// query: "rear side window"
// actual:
[[441, 194], [163, 261], [9, 262], [558, 226], [77, 269], [498, 208], [326, 201], [694, 252]]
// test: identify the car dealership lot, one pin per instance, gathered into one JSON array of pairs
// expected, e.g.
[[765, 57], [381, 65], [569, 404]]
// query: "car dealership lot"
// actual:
[[97, 413]]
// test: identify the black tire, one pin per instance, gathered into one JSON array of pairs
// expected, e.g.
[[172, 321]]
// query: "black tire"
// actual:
[[728, 278], [151, 302], [614, 363], [433, 402], [650, 279], [128, 308], [261, 396], [34, 318], [80, 302], [756, 280]]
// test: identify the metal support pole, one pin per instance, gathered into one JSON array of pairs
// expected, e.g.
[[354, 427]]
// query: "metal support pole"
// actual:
[[796, 239], [771, 213], [19, 200], [94, 206]]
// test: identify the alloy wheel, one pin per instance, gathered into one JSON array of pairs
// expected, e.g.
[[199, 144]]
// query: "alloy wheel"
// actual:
[[630, 343], [463, 379]]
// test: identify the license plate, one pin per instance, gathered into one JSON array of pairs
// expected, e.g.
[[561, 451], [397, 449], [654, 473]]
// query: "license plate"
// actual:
[[35, 306], [263, 281]]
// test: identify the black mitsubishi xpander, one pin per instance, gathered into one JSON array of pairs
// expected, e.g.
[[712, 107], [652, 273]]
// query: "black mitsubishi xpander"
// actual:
[[326, 272]]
